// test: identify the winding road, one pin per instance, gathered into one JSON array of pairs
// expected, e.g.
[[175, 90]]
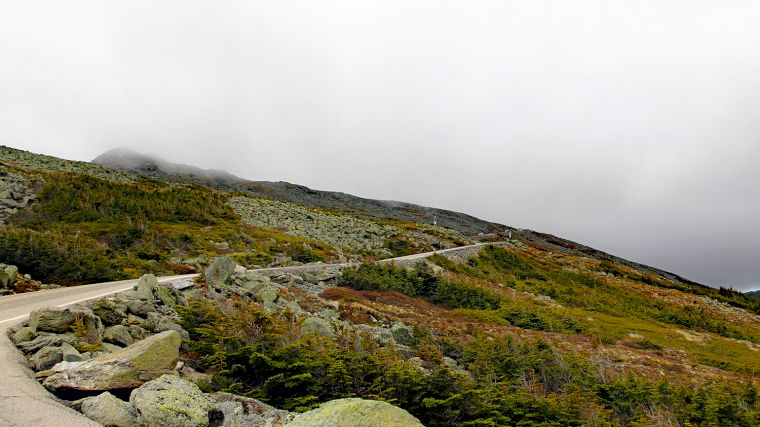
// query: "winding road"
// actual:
[[24, 402]]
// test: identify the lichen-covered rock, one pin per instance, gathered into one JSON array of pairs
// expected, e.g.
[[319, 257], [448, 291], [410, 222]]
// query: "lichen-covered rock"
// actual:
[[70, 354], [8, 274], [315, 325], [125, 368], [166, 296], [145, 287], [22, 335], [239, 411], [118, 335], [170, 401], [109, 410], [45, 340], [220, 270], [139, 307], [46, 358], [110, 313], [133, 320], [158, 322], [138, 333], [80, 320], [356, 412], [268, 295]]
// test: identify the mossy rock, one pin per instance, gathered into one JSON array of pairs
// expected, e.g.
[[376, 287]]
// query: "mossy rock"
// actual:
[[356, 413], [170, 401], [125, 368]]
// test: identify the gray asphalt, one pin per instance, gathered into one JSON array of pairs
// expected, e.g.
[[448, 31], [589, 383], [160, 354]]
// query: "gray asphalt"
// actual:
[[23, 401]]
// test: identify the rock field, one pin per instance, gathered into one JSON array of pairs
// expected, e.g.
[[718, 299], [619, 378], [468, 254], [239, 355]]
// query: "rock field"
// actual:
[[118, 359]]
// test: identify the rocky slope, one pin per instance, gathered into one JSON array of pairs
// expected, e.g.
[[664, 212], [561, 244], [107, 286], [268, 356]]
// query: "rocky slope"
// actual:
[[335, 229], [121, 360], [128, 359], [128, 161], [41, 162]]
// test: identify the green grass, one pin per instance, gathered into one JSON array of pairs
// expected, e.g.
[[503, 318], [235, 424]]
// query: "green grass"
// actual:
[[84, 229], [588, 292], [596, 307]]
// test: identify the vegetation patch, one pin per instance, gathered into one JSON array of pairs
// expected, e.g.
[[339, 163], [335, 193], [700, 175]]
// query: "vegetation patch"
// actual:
[[84, 229], [417, 283]]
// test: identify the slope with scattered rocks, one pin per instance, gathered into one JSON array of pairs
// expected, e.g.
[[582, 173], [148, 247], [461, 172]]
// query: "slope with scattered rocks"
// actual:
[[119, 359]]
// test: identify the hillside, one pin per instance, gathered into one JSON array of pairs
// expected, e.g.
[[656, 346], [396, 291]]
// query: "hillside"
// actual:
[[532, 330], [128, 161]]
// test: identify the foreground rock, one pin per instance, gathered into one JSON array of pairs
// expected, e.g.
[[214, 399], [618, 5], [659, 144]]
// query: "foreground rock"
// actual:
[[356, 412], [238, 411], [170, 401], [127, 368], [109, 410], [59, 320]]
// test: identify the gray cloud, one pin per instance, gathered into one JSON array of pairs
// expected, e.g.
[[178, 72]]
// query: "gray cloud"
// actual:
[[629, 126]]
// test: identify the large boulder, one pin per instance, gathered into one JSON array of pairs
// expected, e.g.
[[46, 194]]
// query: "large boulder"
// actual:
[[356, 412], [220, 271], [125, 368], [109, 410], [82, 321], [170, 401]]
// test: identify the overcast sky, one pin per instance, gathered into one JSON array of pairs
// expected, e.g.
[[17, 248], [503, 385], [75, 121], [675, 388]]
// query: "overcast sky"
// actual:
[[631, 126]]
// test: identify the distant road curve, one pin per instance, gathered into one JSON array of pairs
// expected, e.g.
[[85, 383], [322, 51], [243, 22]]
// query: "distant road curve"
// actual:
[[24, 402]]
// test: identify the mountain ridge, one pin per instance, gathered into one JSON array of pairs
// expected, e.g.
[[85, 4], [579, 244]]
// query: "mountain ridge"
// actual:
[[154, 167], [157, 168]]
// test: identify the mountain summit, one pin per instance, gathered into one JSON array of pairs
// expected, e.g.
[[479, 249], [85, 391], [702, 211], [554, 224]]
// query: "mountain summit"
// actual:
[[132, 161]]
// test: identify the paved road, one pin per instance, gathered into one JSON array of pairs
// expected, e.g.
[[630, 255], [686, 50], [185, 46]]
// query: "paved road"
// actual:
[[23, 402], [414, 257]]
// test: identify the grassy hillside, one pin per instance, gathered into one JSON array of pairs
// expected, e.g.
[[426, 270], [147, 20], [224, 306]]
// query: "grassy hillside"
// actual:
[[534, 331], [144, 165], [86, 223], [84, 229], [511, 336]]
